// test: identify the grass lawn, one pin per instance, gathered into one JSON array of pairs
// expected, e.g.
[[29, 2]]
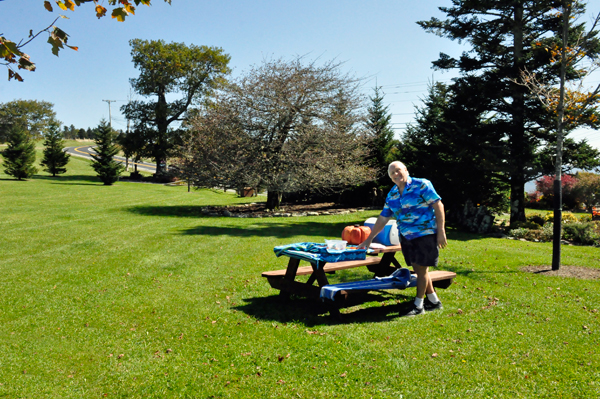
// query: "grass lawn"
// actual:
[[129, 291]]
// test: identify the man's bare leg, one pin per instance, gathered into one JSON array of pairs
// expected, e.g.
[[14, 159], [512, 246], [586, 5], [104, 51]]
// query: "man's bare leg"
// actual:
[[424, 284]]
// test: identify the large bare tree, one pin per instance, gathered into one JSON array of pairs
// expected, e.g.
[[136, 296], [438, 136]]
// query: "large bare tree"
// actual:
[[284, 126]]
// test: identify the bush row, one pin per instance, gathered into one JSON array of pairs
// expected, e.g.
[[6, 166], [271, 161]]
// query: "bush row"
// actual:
[[581, 230]]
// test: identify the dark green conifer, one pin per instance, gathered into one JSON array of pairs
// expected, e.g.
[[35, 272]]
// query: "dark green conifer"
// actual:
[[55, 158], [106, 167], [19, 156], [379, 126]]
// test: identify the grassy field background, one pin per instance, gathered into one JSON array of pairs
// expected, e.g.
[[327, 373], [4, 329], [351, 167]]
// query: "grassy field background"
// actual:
[[129, 291]]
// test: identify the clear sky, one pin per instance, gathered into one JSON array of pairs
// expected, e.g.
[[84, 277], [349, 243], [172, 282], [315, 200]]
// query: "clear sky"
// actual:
[[378, 40]]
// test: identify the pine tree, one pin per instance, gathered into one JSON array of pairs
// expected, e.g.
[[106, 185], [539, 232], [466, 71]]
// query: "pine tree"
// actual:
[[508, 37], [451, 144], [55, 158], [19, 156], [378, 124], [106, 167]]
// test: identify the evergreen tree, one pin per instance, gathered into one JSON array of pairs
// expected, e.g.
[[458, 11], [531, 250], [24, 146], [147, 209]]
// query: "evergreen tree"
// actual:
[[19, 156], [378, 124], [508, 37], [452, 145], [106, 167], [55, 158]]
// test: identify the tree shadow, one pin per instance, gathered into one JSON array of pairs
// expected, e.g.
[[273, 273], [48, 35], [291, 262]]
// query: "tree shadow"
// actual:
[[272, 229], [313, 313], [70, 179], [262, 226], [13, 179]]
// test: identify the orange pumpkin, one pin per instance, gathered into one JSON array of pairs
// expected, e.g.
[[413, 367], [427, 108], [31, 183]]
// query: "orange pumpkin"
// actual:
[[355, 234]]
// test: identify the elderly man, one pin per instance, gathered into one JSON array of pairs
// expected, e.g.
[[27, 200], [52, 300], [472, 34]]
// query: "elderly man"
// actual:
[[419, 212]]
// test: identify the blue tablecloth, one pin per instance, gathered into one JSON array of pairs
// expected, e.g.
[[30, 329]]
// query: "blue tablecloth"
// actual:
[[318, 253]]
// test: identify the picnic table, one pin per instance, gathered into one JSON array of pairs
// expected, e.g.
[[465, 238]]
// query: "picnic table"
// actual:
[[285, 281]]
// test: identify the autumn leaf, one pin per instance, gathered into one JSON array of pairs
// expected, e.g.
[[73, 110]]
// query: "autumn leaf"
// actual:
[[48, 6], [119, 14], [129, 9], [14, 75], [25, 63], [100, 11], [56, 45], [69, 4]]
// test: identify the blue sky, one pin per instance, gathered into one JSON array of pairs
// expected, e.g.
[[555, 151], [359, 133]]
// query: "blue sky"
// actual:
[[378, 40]]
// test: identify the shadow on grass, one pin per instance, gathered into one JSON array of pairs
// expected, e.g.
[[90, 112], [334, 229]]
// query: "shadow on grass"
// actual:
[[272, 229], [277, 227], [311, 312], [71, 179]]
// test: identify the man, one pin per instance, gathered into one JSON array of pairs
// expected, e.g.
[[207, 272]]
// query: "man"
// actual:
[[419, 213]]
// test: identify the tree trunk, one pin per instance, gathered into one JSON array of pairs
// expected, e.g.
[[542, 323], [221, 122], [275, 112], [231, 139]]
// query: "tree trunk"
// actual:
[[517, 140], [274, 199], [159, 166]]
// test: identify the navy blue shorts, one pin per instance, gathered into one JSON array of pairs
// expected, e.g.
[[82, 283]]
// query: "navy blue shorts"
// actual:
[[421, 251]]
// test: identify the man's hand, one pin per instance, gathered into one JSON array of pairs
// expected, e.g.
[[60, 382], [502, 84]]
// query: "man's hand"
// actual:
[[441, 238], [365, 244]]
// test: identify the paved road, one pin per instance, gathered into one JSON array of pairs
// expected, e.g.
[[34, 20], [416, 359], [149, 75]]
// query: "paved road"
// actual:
[[86, 150]]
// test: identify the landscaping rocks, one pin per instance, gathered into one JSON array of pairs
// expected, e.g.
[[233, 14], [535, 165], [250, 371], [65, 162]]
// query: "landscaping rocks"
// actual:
[[258, 210]]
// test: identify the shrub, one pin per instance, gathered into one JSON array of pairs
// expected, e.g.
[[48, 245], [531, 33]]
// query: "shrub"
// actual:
[[586, 217], [583, 233], [537, 219], [519, 232], [547, 232], [526, 225], [135, 175], [566, 217]]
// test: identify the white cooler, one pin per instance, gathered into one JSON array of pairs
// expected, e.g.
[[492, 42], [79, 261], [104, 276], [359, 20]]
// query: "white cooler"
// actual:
[[388, 236]]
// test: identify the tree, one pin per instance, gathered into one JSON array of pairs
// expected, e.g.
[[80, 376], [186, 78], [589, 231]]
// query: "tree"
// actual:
[[587, 189], [503, 36], [33, 116], [167, 69], [571, 107], [285, 126], [453, 145], [106, 167], [19, 155], [545, 185], [184, 162], [133, 146], [379, 126], [55, 158], [13, 55]]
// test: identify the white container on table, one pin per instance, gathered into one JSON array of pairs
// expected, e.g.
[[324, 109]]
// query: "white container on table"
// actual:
[[388, 236]]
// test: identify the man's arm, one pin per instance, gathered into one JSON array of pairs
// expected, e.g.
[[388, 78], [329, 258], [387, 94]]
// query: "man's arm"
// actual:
[[379, 225], [440, 219]]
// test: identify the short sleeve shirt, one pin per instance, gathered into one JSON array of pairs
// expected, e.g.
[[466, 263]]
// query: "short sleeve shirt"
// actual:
[[412, 209]]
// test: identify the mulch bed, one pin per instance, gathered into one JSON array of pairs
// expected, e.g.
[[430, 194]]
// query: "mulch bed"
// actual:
[[260, 210], [584, 273]]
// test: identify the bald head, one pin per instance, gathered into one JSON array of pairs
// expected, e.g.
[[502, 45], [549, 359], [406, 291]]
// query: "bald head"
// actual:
[[395, 165]]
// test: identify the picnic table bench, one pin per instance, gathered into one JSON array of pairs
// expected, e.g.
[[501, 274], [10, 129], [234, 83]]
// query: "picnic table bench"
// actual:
[[284, 280]]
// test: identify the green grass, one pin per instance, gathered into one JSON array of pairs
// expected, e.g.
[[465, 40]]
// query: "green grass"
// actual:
[[129, 291]]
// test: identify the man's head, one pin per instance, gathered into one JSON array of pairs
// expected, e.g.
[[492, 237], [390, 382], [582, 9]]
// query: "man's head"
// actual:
[[398, 173]]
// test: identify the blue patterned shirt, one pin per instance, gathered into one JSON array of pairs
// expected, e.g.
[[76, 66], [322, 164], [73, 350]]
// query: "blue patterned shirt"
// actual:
[[412, 210]]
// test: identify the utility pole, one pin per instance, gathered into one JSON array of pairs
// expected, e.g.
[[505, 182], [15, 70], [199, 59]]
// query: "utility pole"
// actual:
[[109, 117]]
